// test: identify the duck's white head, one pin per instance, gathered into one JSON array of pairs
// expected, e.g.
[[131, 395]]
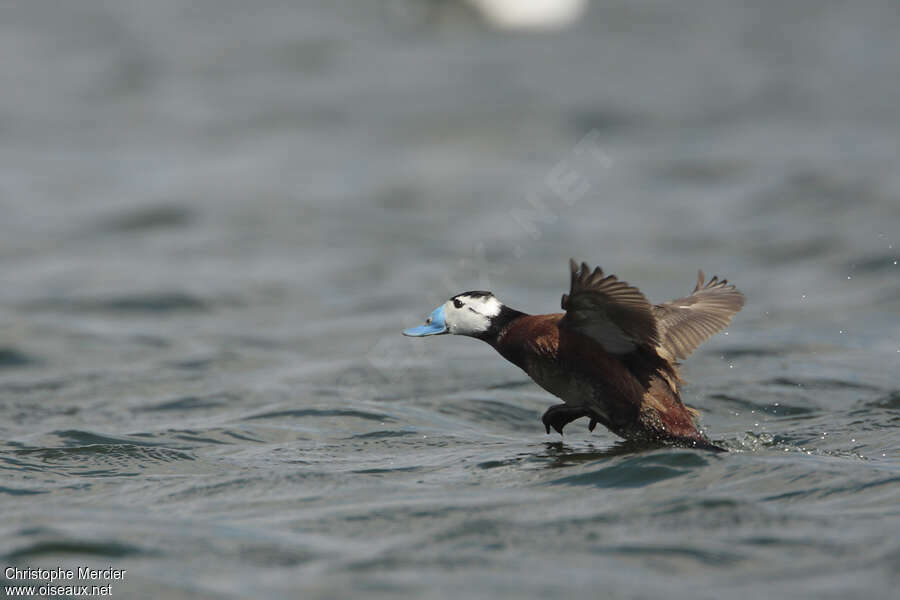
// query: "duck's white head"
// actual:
[[469, 313]]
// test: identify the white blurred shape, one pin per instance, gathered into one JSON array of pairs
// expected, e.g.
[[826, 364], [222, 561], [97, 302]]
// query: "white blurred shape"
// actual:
[[530, 14]]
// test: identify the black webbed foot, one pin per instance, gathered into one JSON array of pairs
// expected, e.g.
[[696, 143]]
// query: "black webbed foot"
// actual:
[[560, 415]]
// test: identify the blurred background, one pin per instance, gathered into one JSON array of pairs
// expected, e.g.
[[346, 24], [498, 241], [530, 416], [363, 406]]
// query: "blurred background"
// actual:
[[217, 216]]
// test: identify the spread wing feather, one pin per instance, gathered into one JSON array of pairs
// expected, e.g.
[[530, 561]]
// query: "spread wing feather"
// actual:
[[686, 323], [609, 311]]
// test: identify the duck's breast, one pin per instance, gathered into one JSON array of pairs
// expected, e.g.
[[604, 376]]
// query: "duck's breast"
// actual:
[[572, 387], [568, 365]]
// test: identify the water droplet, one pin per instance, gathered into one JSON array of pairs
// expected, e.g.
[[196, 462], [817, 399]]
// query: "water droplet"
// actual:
[[803, 296], [848, 277]]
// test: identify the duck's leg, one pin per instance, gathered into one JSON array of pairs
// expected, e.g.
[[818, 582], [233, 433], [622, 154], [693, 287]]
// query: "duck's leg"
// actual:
[[598, 418], [560, 415]]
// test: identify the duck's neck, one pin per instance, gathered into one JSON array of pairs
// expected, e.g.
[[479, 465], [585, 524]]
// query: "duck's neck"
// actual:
[[499, 324]]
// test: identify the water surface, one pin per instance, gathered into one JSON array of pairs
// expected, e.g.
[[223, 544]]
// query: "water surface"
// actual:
[[217, 219]]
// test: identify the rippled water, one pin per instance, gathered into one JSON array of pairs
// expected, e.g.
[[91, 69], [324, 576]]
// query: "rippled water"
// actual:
[[217, 217]]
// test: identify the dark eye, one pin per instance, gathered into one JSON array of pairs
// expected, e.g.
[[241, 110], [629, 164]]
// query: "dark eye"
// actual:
[[457, 303], [428, 321]]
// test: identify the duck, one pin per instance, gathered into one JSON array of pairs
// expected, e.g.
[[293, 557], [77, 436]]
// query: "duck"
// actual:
[[611, 357]]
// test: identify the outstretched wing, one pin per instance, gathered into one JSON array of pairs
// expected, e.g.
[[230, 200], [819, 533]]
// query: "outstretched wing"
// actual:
[[611, 312], [686, 323]]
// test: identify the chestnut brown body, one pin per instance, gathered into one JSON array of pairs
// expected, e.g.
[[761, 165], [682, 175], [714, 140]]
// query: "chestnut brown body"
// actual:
[[636, 396]]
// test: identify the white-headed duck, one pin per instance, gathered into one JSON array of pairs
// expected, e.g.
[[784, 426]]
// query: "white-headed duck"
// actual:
[[611, 357]]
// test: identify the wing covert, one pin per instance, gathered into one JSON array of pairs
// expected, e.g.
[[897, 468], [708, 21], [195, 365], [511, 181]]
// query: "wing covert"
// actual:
[[685, 323], [611, 312]]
